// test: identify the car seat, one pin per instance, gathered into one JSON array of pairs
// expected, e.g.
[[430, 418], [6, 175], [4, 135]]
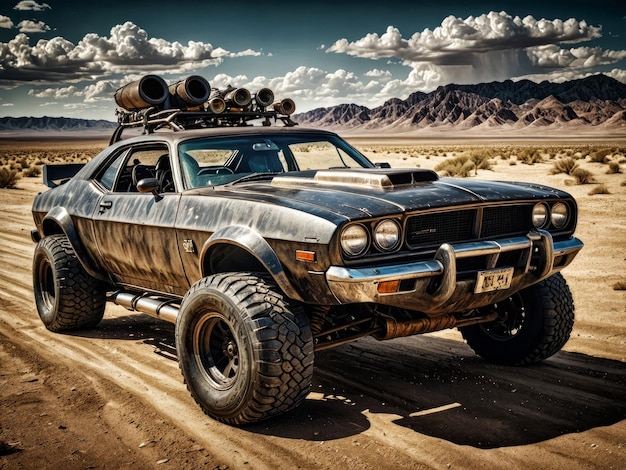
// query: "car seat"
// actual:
[[140, 172], [265, 161], [163, 171], [190, 169]]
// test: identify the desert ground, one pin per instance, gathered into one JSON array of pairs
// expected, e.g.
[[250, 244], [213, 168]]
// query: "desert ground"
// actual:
[[112, 397]]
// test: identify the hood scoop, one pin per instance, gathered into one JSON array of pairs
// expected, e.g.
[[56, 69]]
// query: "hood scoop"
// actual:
[[378, 178]]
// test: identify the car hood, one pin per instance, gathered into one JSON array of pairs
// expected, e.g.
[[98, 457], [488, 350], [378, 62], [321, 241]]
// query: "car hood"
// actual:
[[355, 194]]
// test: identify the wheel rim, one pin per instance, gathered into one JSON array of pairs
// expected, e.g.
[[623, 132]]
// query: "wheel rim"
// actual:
[[216, 351], [510, 321], [46, 284]]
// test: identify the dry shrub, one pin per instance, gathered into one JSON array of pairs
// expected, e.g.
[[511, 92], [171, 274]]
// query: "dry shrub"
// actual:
[[583, 176], [460, 167], [613, 168], [619, 285], [530, 156], [564, 165], [480, 160], [32, 172], [8, 178], [600, 189], [600, 155]]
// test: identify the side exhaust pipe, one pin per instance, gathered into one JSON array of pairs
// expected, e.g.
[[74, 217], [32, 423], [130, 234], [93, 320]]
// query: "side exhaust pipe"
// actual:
[[165, 309]]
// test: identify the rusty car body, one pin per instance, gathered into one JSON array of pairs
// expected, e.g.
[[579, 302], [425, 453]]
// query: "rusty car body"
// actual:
[[266, 243]]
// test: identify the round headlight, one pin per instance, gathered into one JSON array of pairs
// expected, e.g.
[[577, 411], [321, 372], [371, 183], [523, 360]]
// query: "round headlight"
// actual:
[[540, 215], [559, 215], [387, 235], [354, 240]]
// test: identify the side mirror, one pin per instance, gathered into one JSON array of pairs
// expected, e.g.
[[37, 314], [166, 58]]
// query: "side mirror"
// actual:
[[382, 165], [149, 185]]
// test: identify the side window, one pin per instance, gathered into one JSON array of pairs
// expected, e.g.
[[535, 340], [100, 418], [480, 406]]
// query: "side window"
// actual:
[[133, 165], [146, 162]]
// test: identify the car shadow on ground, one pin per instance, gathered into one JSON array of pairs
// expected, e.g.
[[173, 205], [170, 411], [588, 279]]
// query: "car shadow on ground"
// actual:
[[432, 386]]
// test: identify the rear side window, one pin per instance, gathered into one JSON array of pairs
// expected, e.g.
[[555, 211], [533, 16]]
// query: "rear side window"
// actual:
[[107, 179]]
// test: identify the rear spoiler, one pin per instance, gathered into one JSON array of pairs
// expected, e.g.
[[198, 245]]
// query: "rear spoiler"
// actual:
[[56, 175]]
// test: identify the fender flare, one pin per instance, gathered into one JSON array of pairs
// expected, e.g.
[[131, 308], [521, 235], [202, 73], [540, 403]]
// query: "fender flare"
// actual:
[[62, 219], [253, 243]]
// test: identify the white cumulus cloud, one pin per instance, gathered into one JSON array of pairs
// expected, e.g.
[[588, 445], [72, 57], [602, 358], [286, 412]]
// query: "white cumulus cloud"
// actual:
[[31, 26], [31, 5], [492, 46], [128, 48], [552, 56], [455, 37], [5, 22]]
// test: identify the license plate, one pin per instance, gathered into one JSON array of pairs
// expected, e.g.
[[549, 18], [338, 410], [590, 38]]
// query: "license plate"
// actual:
[[494, 279]]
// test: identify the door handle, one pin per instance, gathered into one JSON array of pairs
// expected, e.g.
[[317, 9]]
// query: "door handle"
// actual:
[[104, 205]]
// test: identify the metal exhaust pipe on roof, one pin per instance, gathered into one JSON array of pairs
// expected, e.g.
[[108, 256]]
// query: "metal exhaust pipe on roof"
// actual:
[[150, 90]]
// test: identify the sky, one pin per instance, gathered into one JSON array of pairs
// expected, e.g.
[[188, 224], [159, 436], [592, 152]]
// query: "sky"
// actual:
[[68, 57]]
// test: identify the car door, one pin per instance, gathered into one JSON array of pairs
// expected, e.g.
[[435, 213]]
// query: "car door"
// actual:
[[134, 231]]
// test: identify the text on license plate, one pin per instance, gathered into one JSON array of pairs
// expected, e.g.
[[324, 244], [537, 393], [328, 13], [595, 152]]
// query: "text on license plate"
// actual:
[[494, 279]]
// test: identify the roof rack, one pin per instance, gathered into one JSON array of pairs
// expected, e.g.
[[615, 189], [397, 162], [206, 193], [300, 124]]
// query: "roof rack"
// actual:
[[150, 104], [178, 120]]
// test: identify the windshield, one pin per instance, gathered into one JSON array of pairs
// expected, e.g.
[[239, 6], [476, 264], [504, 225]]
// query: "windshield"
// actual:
[[213, 161]]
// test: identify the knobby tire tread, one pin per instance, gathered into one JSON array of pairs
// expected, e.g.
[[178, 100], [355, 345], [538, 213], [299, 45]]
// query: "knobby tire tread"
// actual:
[[283, 343], [82, 298]]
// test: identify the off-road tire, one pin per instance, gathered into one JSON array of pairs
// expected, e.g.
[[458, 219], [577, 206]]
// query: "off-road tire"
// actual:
[[245, 352], [534, 324], [67, 297]]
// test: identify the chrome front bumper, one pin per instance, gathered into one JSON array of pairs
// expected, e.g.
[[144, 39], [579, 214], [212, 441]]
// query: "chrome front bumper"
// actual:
[[436, 289]]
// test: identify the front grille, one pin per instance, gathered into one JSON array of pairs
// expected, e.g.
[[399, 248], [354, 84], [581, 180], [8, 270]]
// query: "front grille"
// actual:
[[433, 229], [441, 227], [506, 220]]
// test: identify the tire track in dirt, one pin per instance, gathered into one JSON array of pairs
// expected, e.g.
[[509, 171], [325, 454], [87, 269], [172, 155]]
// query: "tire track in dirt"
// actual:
[[418, 402]]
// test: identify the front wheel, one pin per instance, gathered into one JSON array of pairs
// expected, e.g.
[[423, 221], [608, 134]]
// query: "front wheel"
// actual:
[[245, 353], [532, 325]]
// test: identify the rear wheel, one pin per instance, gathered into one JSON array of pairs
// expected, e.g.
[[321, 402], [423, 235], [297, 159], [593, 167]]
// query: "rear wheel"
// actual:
[[67, 297], [532, 325], [246, 354]]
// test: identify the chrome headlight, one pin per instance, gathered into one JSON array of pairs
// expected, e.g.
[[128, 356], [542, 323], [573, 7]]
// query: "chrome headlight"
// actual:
[[560, 215], [540, 215], [354, 240], [387, 235]]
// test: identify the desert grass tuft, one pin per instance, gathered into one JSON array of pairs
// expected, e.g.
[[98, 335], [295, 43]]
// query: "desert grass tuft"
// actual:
[[8, 177], [600, 189], [460, 167], [613, 168], [582, 176], [564, 165]]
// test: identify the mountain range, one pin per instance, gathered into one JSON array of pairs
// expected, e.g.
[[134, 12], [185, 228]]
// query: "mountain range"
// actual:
[[47, 123], [597, 102]]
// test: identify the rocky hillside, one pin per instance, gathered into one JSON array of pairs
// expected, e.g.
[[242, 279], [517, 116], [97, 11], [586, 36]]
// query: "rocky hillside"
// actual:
[[596, 102], [53, 124]]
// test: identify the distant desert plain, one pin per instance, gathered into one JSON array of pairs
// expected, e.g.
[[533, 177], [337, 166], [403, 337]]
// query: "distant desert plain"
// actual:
[[113, 397]]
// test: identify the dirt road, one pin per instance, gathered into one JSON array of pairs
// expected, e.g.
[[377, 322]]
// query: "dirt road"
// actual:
[[113, 397]]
